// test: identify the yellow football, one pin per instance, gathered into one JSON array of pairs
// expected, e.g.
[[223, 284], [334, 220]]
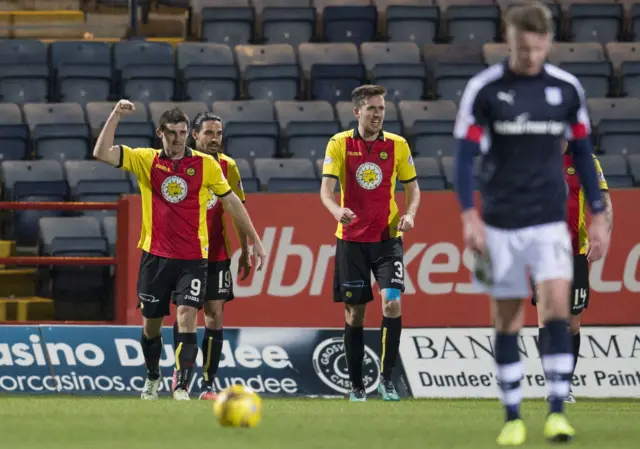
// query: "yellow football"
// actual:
[[238, 406]]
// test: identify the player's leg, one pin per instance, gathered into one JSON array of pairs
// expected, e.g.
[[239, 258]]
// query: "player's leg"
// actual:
[[551, 264], [352, 286], [389, 272], [154, 303], [189, 295], [579, 303], [502, 275], [219, 291]]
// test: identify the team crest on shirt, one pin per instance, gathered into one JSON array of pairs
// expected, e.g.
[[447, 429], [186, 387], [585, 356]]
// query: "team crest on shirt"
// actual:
[[213, 199], [174, 189], [571, 171], [369, 175], [384, 155], [553, 95], [191, 171]]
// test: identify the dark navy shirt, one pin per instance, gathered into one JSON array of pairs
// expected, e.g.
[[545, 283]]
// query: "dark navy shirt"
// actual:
[[519, 122]]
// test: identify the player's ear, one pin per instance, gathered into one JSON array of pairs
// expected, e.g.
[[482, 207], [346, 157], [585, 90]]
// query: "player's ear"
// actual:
[[356, 112], [159, 133]]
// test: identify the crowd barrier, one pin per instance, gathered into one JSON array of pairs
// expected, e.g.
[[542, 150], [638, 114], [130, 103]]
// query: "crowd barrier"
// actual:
[[297, 362]]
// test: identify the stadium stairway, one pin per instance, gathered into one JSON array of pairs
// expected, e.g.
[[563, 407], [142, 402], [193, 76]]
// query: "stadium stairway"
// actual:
[[18, 300]]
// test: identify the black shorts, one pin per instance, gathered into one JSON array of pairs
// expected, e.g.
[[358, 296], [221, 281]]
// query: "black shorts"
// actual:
[[220, 282], [580, 290], [160, 279], [355, 261]]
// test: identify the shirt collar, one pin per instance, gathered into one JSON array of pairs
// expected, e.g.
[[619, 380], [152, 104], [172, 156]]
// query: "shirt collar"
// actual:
[[356, 134], [188, 152]]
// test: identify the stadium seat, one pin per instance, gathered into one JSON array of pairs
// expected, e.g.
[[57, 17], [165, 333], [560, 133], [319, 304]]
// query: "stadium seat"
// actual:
[[429, 126], [146, 69], [311, 54], [208, 72], [307, 126], [398, 67], [616, 171], [250, 128], [287, 175], [451, 79], [334, 83], [82, 71], [271, 71], [578, 52], [600, 22], [14, 135], [288, 25], [477, 24], [634, 168], [594, 76], [191, 108], [110, 231], [228, 25], [32, 181], [495, 53], [261, 5], [75, 236], [635, 22], [619, 136], [613, 109], [96, 179], [437, 54], [134, 130], [250, 183], [630, 78], [346, 23], [59, 130], [412, 22], [618, 52], [24, 73], [429, 176]]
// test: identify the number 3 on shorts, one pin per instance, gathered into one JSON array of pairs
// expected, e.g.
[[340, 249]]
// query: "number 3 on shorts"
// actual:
[[196, 287], [399, 269]]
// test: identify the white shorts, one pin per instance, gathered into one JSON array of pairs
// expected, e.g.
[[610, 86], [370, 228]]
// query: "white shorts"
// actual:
[[542, 252]]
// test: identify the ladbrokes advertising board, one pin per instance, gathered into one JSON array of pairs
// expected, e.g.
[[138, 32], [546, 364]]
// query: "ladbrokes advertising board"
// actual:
[[108, 360], [295, 287], [459, 363]]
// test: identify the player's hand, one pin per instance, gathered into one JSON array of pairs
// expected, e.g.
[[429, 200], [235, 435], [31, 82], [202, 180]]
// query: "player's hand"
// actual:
[[406, 223], [475, 235], [259, 255], [344, 215], [598, 238], [244, 265], [124, 107]]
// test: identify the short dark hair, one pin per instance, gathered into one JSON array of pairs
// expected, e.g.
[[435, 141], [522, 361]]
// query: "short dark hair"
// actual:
[[532, 18], [198, 121], [172, 117], [360, 94]]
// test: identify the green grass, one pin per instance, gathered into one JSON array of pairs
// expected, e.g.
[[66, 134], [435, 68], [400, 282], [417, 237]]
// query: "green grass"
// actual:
[[86, 423]]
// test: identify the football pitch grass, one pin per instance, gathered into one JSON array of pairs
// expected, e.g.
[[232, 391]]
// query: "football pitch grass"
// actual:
[[101, 423]]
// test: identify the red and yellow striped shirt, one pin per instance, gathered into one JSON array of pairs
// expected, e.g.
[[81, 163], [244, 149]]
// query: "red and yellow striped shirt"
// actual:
[[175, 194], [367, 172], [218, 240], [576, 207]]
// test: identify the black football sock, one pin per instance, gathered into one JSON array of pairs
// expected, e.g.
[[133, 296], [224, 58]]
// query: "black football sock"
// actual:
[[211, 351], [175, 335], [152, 351], [391, 329], [576, 350], [557, 361], [186, 354], [354, 349], [542, 335]]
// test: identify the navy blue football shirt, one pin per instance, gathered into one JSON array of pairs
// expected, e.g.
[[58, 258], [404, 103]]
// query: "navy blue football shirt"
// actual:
[[519, 122]]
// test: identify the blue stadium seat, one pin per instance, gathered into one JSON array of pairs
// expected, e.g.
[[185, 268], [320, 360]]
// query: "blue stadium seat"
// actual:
[[630, 78], [415, 23], [208, 72], [307, 126], [14, 134], [75, 236], [334, 83], [634, 168], [96, 179], [287, 175], [635, 22], [619, 136], [110, 231], [429, 176], [451, 79], [59, 130], [616, 171], [271, 71], [250, 128], [356, 24], [596, 22], [24, 73], [594, 76], [398, 67], [311, 54], [429, 126], [135, 130], [82, 71], [32, 181], [250, 183], [228, 25], [147, 70], [477, 24], [288, 25]]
